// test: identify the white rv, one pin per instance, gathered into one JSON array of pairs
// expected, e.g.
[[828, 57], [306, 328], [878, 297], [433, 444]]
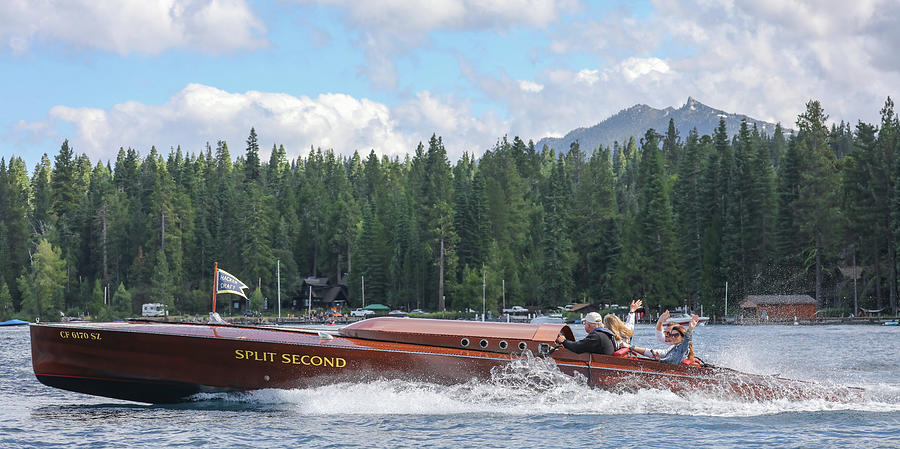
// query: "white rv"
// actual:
[[154, 309]]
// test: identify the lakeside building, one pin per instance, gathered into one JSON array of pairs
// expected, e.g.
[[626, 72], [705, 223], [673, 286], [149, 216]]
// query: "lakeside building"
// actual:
[[779, 307]]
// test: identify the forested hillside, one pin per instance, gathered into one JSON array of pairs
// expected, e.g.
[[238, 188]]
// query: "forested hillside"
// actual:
[[665, 218]]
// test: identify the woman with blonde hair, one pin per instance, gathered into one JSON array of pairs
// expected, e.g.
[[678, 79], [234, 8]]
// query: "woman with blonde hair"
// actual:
[[619, 328], [623, 331]]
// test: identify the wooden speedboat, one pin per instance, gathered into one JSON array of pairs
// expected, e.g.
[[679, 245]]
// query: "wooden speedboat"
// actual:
[[158, 362]]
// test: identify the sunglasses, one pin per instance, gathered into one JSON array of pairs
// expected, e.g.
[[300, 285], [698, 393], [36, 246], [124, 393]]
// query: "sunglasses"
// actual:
[[675, 334]]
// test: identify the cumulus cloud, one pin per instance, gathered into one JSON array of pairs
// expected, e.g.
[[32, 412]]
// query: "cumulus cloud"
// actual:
[[530, 86], [634, 68], [133, 26], [392, 28], [588, 76], [404, 16], [768, 58], [763, 58], [199, 114], [452, 118]]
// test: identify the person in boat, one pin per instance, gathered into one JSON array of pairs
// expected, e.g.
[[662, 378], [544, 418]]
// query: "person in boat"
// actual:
[[663, 328], [598, 341], [622, 330], [680, 339]]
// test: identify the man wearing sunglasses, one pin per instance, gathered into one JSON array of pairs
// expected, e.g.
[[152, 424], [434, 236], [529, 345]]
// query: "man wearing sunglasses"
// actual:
[[679, 338]]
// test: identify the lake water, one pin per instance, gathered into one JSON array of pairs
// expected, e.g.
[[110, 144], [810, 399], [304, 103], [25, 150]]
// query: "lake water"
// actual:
[[529, 406]]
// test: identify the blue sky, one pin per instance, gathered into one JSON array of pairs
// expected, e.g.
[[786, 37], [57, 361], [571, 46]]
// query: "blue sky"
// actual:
[[383, 76]]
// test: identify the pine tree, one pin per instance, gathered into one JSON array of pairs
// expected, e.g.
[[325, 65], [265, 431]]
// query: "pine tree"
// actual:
[[687, 200], [373, 257], [887, 152], [6, 302], [255, 245], [64, 183], [41, 191], [557, 250], [671, 147], [510, 213], [437, 213], [161, 288], [95, 306], [44, 284], [121, 302], [859, 201], [17, 229], [895, 211], [816, 201], [655, 222], [470, 209], [251, 162]]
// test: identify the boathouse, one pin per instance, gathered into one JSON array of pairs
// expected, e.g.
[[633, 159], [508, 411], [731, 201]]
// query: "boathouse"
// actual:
[[779, 307], [324, 294]]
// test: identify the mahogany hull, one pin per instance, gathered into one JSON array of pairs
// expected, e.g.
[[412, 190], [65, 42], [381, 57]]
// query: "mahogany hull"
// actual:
[[165, 363]]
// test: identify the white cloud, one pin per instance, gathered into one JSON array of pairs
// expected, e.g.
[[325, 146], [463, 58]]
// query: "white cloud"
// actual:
[[634, 68], [404, 16], [133, 26], [451, 118], [767, 58], [763, 58], [530, 86], [588, 76], [199, 114], [391, 28]]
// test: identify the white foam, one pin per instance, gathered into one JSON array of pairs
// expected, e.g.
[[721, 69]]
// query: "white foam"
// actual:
[[532, 386]]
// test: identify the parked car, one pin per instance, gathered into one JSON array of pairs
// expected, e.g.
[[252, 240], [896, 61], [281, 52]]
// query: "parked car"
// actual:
[[417, 311], [397, 314], [249, 312], [362, 313]]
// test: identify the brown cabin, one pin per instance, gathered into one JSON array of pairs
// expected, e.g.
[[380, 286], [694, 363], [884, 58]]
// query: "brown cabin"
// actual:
[[779, 307], [324, 294]]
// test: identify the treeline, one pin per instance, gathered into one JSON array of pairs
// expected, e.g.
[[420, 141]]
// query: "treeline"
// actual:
[[665, 218]]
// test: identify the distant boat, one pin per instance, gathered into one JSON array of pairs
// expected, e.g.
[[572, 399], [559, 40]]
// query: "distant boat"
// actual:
[[684, 319], [554, 318], [13, 323], [890, 323]]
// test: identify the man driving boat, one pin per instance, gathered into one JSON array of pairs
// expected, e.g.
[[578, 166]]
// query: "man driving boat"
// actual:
[[599, 340]]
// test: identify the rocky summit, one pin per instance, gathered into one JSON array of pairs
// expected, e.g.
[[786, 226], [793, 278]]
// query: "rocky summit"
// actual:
[[636, 120]]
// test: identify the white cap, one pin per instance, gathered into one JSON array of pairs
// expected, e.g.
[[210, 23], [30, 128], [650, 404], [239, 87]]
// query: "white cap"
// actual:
[[593, 318]]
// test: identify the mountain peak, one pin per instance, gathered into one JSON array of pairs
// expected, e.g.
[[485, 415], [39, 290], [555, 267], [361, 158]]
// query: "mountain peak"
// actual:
[[692, 105], [636, 120]]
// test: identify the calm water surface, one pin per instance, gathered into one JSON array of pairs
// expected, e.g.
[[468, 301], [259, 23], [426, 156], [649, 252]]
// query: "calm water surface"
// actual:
[[528, 405]]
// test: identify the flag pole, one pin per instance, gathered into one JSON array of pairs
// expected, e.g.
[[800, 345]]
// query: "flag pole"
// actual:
[[215, 284]]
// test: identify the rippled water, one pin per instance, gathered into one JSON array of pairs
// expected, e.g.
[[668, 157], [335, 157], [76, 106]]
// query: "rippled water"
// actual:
[[528, 404]]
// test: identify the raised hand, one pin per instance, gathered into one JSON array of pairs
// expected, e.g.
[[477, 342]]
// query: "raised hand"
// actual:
[[636, 305], [662, 319], [694, 320]]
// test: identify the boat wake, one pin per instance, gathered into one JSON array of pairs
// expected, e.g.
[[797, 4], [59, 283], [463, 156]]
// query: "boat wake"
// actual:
[[534, 386]]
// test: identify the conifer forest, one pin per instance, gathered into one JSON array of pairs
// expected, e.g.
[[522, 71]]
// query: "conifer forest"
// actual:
[[662, 217]]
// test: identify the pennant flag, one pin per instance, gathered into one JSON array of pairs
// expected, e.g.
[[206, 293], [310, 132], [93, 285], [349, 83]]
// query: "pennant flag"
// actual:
[[230, 284]]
